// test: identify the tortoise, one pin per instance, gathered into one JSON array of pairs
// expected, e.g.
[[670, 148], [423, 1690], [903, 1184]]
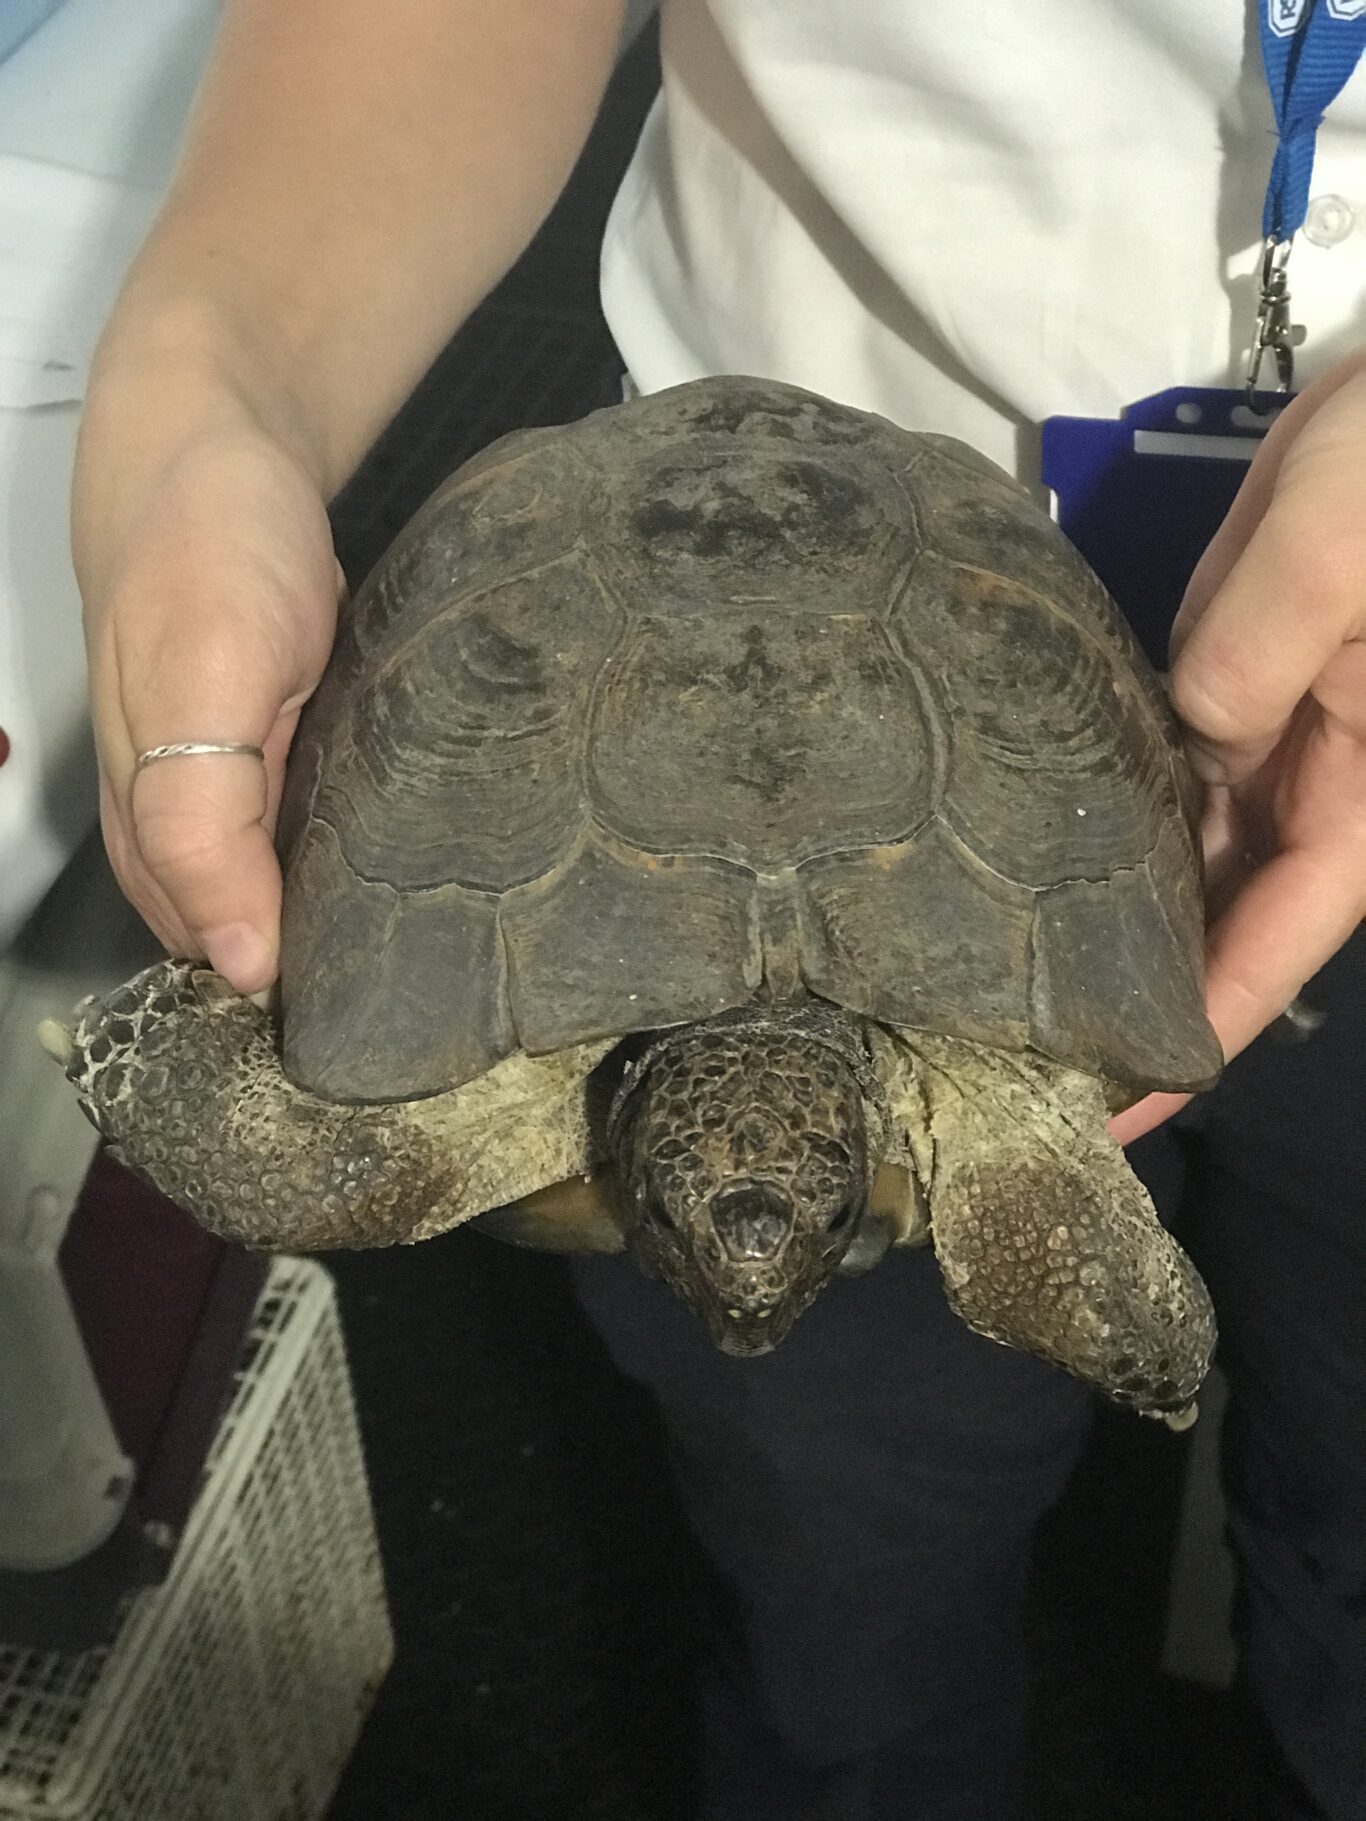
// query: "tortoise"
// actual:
[[740, 830]]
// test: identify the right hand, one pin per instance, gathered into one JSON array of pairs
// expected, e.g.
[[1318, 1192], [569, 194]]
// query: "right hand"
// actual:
[[205, 560]]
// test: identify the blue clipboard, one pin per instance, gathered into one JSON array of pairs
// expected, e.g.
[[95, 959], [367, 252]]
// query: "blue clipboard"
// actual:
[[1141, 495]]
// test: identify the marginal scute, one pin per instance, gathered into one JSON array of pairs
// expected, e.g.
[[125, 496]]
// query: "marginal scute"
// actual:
[[608, 944], [1117, 977], [390, 995], [301, 788], [921, 935]]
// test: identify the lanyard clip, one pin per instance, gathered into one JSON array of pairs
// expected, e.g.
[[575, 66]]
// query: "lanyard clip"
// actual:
[[1275, 333]]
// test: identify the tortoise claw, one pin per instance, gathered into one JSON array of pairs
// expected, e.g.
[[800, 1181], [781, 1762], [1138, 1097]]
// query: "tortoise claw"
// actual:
[[57, 1040], [1178, 1421]]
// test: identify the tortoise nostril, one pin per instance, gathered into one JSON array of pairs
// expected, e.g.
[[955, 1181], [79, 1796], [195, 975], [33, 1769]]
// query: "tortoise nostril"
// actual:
[[752, 1220]]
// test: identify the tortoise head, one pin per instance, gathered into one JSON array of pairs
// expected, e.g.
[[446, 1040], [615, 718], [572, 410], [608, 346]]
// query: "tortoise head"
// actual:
[[743, 1152]]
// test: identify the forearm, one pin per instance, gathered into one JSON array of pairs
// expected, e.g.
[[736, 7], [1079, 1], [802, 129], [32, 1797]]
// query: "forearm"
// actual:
[[355, 179]]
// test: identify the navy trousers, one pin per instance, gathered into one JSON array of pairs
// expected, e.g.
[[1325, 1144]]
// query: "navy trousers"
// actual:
[[868, 1494]]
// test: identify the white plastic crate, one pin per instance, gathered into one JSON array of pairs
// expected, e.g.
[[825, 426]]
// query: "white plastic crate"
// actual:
[[234, 1691]]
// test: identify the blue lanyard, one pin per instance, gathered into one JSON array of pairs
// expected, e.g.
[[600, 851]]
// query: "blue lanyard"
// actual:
[[1309, 49]]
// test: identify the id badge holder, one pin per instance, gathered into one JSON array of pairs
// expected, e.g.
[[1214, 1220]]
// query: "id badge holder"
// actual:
[[1141, 495]]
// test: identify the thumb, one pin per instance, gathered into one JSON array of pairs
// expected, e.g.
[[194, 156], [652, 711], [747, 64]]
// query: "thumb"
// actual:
[[211, 598], [201, 825]]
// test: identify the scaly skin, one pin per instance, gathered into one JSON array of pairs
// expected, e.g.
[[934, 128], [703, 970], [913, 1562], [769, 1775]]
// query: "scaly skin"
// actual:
[[1046, 1239], [746, 1147], [183, 1077], [746, 1159]]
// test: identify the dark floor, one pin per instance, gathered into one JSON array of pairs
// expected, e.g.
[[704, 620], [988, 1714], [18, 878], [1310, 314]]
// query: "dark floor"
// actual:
[[541, 1583], [540, 1580]]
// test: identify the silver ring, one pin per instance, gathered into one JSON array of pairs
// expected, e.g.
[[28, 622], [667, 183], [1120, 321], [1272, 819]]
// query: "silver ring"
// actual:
[[191, 749]]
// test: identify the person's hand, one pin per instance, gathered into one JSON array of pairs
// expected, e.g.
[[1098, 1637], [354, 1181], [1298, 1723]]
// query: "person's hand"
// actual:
[[353, 180], [1269, 677], [206, 564]]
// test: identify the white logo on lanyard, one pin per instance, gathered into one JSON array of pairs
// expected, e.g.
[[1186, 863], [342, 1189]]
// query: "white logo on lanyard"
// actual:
[[1286, 16]]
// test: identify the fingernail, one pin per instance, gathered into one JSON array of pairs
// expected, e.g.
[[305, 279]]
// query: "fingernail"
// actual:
[[241, 954]]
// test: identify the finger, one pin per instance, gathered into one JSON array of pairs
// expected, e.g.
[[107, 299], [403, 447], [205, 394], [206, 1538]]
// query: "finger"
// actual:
[[200, 825], [1254, 496], [1290, 603], [1292, 598], [1151, 1112], [150, 902], [1289, 919], [147, 836], [1235, 840]]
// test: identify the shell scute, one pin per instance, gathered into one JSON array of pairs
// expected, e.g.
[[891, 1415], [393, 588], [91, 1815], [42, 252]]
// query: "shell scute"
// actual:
[[921, 935], [606, 944], [517, 506], [460, 759], [388, 995], [975, 515], [761, 738], [1054, 772], [698, 524]]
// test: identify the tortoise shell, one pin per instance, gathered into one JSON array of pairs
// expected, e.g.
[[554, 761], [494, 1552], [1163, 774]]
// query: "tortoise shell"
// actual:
[[730, 692]]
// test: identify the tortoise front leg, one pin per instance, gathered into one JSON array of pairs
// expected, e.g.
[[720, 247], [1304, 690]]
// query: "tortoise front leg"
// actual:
[[1046, 1239], [183, 1077]]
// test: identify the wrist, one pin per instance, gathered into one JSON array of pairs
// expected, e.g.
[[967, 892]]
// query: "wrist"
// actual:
[[175, 394], [174, 362]]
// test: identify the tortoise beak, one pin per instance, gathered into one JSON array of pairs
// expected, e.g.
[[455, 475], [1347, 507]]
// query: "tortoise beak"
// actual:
[[752, 1221]]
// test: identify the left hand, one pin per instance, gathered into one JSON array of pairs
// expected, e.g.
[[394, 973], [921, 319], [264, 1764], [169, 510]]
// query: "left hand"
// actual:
[[1269, 677]]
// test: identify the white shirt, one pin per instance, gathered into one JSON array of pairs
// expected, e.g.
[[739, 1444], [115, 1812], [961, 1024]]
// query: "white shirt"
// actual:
[[971, 216]]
